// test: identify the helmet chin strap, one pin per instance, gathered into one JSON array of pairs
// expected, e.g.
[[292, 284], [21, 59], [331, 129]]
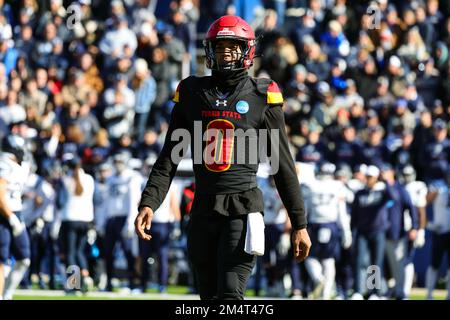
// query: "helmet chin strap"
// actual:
[[227, 66]]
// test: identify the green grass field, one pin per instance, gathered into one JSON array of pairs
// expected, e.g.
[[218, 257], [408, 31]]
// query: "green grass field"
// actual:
[[173, 293]]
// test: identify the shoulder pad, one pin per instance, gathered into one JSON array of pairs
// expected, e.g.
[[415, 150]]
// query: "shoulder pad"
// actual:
[[176, 96], [191, 83], [270, 88]]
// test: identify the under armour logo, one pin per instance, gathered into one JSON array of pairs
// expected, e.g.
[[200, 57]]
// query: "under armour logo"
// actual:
[[222, 103]]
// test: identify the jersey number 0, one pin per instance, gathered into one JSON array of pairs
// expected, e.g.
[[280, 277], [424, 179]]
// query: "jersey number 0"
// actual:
[[219, 145]]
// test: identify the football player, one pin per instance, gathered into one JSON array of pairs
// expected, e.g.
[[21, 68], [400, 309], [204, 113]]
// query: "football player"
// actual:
[[124, 188], [438, 194], [227, 196], [328, 218], [418, 192], [14, 240]]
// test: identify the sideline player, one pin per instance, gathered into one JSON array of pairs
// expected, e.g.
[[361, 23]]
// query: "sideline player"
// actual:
[[14, 240]]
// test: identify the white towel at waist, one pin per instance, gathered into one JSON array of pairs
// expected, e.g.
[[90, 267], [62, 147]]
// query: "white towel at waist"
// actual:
[[254, 237]]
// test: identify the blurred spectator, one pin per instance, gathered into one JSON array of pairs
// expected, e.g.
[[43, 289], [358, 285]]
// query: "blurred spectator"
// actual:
[[396, 75], [374, 150], [426, 29], [316, 64], [160, 69], [192, 15], [325, 110], [306, 25], [99, 152], [334, 41], [383, 97], [32, 96], [76, 89], [118, 42], [347, 147], [91, 72], [147, 39], [401, 116], [88, 123], [42, 81], [149, 147], [44, 49], [119, 108], [176, 52], [366, 79], [314, 150], [6, 9], [11, 111], [436, 153], [268, 32], [414, 49], [278, 57], [8, 54], [145, 87], [25, 41], [401, 155], [427, 81]]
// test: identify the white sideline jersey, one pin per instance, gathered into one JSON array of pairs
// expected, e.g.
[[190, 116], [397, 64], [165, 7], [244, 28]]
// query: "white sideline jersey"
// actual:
[[16, 177], [417, 191], [164, 213], [101, 195], [324, 200], [36, 186], [124, 193], [273, 213]]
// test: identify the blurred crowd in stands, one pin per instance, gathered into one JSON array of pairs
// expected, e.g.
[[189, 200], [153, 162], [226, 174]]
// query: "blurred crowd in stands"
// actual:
[[87, 86]]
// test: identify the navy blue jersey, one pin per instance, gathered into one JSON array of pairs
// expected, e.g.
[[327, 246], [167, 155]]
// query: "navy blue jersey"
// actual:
[[436, 158], [373, 155], [346, 152], [400, 205], [369, 209], [312, 153]]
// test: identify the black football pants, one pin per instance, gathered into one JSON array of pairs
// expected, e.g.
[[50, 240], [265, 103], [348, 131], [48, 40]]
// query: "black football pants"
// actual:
[[216, 253]]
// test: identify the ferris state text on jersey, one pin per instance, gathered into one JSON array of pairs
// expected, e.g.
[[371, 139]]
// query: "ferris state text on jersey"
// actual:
[[197, 100]]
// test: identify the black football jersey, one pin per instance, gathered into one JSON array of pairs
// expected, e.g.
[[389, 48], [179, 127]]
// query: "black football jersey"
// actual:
[[225, 155], [225, 172]]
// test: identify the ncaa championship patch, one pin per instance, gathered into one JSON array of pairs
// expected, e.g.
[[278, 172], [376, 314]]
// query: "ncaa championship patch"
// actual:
[[242, 106]]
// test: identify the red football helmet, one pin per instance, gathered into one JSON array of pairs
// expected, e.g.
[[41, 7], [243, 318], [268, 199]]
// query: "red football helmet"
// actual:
[[233, 28]]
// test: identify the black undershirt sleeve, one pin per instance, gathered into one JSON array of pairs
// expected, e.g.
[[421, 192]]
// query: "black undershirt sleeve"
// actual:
[[286, 177], [164, 168]]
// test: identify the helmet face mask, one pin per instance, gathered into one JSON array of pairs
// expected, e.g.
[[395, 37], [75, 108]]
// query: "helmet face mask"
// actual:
[[408, 174], [231, 30], [227, 54], [14, 146]]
